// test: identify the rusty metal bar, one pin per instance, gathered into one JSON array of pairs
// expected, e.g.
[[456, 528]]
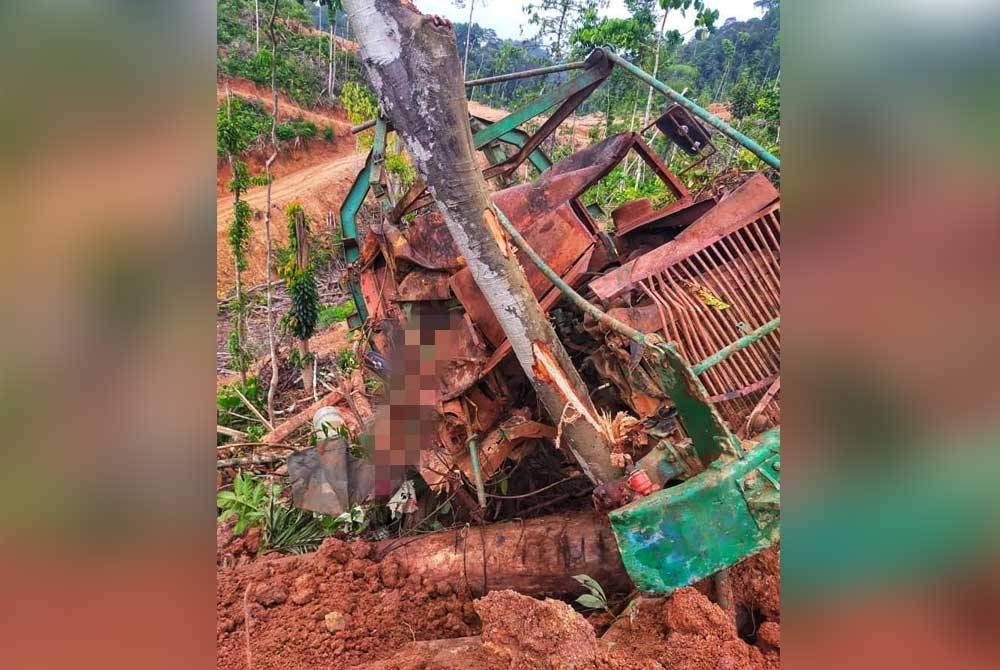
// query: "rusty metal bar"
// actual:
[[742, 343]]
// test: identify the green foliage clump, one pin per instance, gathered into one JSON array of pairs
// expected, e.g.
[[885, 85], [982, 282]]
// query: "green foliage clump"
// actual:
[[255, 503], [398, 165], [360, 105], [596, 598], [347, 361], [328, 133], [240, 124], [295, 128], [300, 282], [332, 314], [248, 502]]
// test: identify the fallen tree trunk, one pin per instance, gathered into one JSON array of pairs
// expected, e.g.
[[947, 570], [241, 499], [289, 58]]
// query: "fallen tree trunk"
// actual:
[[414, 68], [537, 557]]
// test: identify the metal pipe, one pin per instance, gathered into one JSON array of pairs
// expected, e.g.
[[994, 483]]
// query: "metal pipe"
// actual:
[[477, 472], [700, 112], [537, 72], [742, 343], [566, 289]]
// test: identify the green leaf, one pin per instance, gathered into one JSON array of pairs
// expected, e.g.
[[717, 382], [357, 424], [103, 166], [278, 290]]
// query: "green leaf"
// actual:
[[590, 601], [591, 585]]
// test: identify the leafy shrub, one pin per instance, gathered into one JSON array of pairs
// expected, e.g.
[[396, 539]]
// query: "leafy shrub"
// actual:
[[248, 502], [328, 133]]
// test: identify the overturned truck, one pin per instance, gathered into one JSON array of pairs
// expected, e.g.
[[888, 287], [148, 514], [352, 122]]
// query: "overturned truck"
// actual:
[[670, 316]]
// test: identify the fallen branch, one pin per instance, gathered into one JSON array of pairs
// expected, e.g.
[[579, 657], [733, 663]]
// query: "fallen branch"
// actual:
[[248, 460], [253, 409], [281, 433], [231, 432]]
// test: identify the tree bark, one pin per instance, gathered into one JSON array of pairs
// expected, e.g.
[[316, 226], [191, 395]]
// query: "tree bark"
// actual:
[[415, 71], [537, 557]]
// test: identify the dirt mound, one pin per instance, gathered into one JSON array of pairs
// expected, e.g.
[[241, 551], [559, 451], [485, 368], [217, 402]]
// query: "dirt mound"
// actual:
[[757, 583], [339, 608], [333, 608], [521, 632]]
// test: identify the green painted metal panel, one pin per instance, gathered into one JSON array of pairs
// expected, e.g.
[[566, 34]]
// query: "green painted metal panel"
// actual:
[[678, 535], [538, 105], [709, 433]]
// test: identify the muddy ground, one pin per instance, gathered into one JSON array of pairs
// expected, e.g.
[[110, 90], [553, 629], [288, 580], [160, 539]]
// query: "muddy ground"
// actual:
[[340, 608]]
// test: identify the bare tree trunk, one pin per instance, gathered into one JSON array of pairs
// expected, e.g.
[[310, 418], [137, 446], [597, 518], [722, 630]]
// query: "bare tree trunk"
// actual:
[[267, 218], [468, 38], [656, 69], [329, 66], [649, 96], [415, 71], [256, 20]]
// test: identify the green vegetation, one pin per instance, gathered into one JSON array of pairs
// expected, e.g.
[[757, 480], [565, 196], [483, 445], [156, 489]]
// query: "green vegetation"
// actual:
[[256, 504], [331, 314], [232, 412], [248, 502], [300, 282], [595, 598]]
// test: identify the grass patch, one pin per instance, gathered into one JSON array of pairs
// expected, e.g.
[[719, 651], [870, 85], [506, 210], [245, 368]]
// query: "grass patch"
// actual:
[[332, 314]]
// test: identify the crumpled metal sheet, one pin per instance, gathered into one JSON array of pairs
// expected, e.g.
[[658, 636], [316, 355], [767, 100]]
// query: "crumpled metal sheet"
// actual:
[[328, 479]]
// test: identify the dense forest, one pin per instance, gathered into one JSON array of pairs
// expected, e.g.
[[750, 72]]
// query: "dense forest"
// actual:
[[734, 62]]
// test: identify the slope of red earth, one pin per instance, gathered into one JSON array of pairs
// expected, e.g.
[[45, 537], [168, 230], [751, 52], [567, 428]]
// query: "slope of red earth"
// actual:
[[316, 173], [340, 608]]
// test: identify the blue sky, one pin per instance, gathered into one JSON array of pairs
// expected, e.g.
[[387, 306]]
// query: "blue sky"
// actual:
[[507, 17]]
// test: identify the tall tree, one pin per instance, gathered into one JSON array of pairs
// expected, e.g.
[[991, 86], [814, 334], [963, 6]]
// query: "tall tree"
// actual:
[[468, 32], [705, 19], [272, 348], [414, 68], [557, 20]]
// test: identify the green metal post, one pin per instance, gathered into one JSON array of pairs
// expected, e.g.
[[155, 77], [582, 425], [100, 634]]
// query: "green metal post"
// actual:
[[742, 343], [700, 112]]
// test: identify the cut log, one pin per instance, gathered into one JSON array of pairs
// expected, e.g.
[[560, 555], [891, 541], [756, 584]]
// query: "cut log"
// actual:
[[537, 557]]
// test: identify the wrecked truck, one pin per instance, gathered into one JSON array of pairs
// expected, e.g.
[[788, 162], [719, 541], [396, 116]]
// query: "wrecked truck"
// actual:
[[671, 314]]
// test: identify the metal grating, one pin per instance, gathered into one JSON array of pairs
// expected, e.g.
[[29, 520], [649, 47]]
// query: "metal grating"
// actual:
[[711, 297]]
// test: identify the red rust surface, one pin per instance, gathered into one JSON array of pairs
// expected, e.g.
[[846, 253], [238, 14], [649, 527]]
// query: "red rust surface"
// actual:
[[731, 213]]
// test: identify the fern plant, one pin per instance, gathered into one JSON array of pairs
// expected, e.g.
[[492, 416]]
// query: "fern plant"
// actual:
[[249, 502]]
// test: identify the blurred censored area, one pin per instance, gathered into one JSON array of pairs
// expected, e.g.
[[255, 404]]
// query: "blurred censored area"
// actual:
[[106, 368], [892, 379], [406, 423]]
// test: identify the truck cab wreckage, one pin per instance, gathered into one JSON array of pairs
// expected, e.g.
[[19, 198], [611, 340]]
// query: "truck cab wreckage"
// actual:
[[672, 318]]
